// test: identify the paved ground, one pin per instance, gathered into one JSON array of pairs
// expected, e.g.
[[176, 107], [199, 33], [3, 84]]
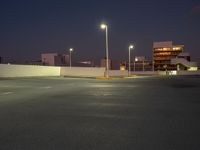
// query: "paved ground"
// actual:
[[87, 114]]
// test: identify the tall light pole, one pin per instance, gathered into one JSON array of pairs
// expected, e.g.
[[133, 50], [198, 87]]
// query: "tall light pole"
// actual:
[[105, 27], [70, 57], [129, 64]]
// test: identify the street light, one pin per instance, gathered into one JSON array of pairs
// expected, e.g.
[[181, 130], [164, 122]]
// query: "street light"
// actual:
[[136, 60], [105, 27], [70, 57], [129, 68]]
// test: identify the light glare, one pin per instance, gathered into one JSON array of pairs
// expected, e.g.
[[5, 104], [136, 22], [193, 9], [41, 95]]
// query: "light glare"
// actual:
[[131, 46], [103, 26]]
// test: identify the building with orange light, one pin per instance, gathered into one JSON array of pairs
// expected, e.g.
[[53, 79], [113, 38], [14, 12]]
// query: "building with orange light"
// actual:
[[163, 53]]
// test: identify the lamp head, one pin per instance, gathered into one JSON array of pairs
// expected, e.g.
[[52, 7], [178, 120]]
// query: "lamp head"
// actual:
[[71, 49], [103, 26], [131, 46]]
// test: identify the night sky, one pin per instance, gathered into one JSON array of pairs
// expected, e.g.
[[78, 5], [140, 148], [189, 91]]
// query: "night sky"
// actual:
[[31, 27]]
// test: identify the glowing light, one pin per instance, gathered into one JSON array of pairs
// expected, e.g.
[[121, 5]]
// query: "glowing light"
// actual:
[[131, 46], [174, 72], [136, 59], [71, 49], [103, 26], [193, 69], [86, 62], [166, 49], [176, 48], [122, 68]]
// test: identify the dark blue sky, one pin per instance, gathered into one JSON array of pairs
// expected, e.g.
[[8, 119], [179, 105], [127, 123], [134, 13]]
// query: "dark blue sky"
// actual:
[[31, 27]]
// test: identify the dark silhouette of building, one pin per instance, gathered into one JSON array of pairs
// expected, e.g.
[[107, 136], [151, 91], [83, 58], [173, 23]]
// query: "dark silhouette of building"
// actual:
[[55, 59]]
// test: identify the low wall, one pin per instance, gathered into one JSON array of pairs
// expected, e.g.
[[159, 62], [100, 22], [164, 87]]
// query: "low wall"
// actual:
[[114, 73], [39, 71], [188, 72], [143, 73], [146, 73], [163, 73], [82, 71], [28, 71]]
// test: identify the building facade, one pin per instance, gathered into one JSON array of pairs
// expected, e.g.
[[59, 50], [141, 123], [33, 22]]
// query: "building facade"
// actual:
[[55, 59], [183, 62], [163, 52], [140, 63]]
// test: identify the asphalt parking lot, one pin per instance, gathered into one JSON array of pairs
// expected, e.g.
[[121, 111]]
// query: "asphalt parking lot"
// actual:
[[152, 113]]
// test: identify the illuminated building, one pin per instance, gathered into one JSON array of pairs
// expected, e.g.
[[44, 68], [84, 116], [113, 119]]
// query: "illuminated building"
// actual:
[[183, 62], [163, 52]]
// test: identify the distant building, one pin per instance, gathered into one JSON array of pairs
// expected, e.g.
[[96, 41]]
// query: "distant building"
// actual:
[[163, 52], [1, 60], [115, 65], [183, 62], [103, 63], [55, 59], [140, 63], [185, 55]]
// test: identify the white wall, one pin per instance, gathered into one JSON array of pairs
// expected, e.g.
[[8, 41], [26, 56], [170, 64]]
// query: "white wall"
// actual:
[[27, 71], [113, 73], [161, 73], [146, 73], [39, 71], [188, 72], [82, 71], [125, 73]]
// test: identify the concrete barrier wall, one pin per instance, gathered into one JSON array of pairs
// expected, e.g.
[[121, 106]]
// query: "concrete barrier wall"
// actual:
[[146, 73], [39, 71], [28, 71], [188, 72], [162, 73], [82, 71], [114, 73]]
